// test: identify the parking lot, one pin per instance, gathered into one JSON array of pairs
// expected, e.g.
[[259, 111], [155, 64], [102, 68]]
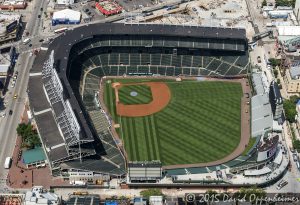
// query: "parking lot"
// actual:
[[130, 5]]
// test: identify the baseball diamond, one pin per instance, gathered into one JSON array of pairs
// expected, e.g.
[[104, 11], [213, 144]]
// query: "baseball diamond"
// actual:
[[201, 123], [135, 94]]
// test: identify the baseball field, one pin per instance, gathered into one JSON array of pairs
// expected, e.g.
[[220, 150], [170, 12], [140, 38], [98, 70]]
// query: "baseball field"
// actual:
[[201, 122]]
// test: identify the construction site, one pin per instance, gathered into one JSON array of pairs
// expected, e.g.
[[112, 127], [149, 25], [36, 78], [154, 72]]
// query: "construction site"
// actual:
[[212, 13]]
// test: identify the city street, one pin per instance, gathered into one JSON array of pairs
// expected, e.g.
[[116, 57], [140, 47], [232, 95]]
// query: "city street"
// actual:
[[9, 124]]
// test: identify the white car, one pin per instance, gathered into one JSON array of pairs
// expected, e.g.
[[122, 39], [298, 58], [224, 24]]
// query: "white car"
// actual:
[[281, 184], [3, 114], [13, 84]]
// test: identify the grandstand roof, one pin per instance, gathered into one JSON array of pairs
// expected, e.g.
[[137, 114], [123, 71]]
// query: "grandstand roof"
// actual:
[[94, 165], [36, 89], [156, 29], [51, 136], [262, 119], [259, 82]]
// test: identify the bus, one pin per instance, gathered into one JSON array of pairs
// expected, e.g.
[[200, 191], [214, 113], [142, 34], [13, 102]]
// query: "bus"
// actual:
[[60, 30], [7, 163]]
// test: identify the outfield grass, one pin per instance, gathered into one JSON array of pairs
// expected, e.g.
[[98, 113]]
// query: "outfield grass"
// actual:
[[200, 124], [144, 95]]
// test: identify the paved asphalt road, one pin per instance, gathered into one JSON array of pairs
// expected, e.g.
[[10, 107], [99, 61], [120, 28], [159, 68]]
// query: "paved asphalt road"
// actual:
[[9, 124]]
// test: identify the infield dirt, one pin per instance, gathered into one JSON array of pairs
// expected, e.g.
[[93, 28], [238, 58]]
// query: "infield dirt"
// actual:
[[161, 96]]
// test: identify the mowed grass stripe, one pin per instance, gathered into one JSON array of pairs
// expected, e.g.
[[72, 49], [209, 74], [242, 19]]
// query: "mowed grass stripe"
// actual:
[[152, 141], [200, 124], [154, 137], [128, 141], [137, 145], [148, 138], [140, 138]]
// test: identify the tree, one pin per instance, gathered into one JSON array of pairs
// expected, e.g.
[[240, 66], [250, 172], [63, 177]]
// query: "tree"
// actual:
[[29, 136], [285, 3], [290, 110], [294, 98], [278, 81], [275, 73], [264, 3], [250, 194], [274, 62], [151, 192]]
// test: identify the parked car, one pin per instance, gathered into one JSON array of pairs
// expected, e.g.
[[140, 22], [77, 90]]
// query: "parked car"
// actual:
[[10, 112], [281, 184]]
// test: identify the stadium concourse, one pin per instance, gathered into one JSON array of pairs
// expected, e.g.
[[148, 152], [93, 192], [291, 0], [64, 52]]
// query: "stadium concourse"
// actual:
[[76, 132]]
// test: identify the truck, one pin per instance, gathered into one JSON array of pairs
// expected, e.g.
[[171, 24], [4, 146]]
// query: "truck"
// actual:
[[7, 163]]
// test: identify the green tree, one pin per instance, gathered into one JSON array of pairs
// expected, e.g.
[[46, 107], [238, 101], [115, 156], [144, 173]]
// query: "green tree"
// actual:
[[151, 192], [294, 98], [274, 62], [264, 3], [285, 3], [250, 194], [290, 110], [275, 73], [29, 136], [278, 81]]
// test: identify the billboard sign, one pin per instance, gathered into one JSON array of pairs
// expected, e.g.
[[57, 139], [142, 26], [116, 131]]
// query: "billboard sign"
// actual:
[[12, 26]]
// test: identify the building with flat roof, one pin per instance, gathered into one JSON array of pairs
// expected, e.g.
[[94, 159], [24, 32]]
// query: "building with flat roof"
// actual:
[[156, 200], [66, 16], [65, 2], [13, 4], [9, 27], [292, 78], [38, 196], [83, 200]]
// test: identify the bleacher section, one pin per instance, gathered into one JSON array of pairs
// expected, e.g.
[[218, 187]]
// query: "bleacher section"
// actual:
[[115, 64], [101, 123]]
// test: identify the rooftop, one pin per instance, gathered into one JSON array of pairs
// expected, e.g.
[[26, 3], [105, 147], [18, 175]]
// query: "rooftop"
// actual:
[[66, 14], [262, 119], [260, 83], [288, 30], [295, 72]]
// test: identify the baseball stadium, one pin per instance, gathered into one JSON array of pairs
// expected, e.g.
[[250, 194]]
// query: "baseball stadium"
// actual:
[[116, 97]]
